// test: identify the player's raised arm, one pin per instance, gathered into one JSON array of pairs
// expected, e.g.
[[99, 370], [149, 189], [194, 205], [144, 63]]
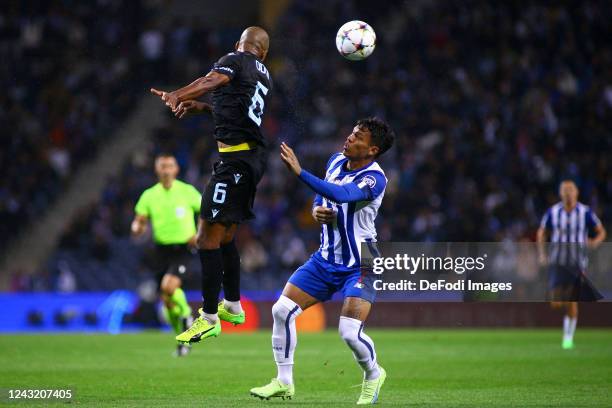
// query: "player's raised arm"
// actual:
[[346, 193], [194, 90]]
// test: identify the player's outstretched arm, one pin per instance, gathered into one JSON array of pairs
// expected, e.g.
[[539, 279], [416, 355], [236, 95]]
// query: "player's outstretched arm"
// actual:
[[194, 90], [191, 107], [340, 194]]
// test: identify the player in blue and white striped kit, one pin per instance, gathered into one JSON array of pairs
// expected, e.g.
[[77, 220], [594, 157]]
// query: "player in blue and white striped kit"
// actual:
[[346, 205], [569, 223]]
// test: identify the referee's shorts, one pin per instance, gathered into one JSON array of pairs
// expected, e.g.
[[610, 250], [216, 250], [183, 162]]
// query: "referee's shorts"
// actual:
[[175, 259]]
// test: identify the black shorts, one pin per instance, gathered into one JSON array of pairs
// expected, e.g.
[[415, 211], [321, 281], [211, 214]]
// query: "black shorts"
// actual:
[[230, 193], [177, 260]]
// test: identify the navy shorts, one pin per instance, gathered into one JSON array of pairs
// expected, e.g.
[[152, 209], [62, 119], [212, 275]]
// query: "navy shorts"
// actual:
[[563, 276], [321, 279], [569, 284]]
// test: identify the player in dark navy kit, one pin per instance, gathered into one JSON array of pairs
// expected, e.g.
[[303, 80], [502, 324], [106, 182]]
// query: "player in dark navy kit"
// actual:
[[240, 85]]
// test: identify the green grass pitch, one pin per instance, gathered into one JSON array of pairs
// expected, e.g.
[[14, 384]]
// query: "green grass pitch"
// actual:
[[426, 368]]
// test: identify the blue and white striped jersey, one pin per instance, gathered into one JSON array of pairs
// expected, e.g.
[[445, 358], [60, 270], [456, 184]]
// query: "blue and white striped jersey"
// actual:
[[571, 230], [341, 241]]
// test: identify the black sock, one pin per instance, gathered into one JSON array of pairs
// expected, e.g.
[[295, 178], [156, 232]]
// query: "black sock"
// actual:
[[212, 275], [185, 325], [231, 271]]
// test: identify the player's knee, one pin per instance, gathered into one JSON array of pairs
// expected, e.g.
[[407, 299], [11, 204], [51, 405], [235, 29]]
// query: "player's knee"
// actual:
[[169, 284], [205, 242], [279, 312], [228, 238], [572, 309], [284, 309]]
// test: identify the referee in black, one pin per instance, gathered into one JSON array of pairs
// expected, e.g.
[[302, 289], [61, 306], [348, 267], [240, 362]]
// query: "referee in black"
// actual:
[[170, 207]]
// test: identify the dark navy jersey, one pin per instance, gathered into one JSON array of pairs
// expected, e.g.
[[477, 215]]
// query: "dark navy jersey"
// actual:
[[239, 105]]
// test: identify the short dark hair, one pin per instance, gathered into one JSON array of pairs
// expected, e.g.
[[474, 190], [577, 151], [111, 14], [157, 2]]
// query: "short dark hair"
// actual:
[[164, 155], [382, 134], [568, 180]]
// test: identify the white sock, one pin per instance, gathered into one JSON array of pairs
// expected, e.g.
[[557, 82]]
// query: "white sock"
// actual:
[[284, 337], [210, 318], [351, 331], [569, 327], [285, 373], [232, 307]]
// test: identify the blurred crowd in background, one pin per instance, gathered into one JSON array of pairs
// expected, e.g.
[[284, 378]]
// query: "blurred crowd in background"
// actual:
[[69, 75], [492, 103]]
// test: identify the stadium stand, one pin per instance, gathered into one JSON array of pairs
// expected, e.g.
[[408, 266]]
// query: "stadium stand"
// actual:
[[477, 159]]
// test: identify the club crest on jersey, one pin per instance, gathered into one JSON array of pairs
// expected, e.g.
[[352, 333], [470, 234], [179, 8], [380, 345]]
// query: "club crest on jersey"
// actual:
[[237, 177], [367, 181], [214, 212]]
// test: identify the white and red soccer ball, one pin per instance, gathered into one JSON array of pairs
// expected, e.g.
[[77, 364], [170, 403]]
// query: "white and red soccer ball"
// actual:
[[356, 40]]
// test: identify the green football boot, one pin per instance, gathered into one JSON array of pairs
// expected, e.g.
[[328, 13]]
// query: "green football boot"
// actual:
[[199, 330], [275, 389], [567, 344], [371, 388], [225, 315]]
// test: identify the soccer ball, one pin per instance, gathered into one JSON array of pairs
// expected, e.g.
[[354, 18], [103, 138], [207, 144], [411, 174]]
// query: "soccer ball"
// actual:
[[356, 40]]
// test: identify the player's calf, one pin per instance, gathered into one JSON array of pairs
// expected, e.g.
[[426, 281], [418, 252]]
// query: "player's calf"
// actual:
[[284, 337], [362, 346]]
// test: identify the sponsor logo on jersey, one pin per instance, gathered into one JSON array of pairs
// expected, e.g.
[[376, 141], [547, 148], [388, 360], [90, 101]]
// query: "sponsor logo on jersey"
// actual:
[[228, 69]]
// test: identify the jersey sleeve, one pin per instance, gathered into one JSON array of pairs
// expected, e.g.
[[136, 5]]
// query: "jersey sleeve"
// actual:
[[142, 206], [318, 200], [346, 193], [591, 219], [228, 65], [195, 199], [372, 182], [546, 222]]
